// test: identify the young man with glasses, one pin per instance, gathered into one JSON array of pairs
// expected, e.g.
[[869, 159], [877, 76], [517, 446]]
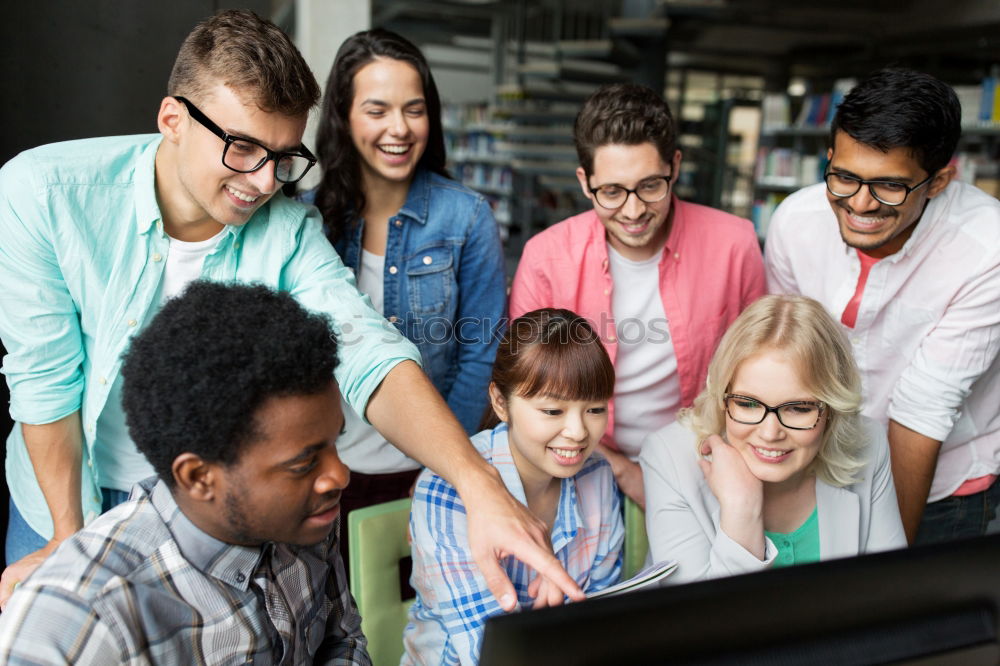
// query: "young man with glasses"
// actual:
[[99, 233], [660, 279], [908, 260]]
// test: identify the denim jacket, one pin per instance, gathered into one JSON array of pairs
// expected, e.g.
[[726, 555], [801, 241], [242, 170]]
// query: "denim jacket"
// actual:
[[445, 287]]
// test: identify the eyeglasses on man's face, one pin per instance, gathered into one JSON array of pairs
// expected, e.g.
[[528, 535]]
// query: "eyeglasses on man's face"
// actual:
[[889, 192], [246, 155], [797, 415], [649, 190]]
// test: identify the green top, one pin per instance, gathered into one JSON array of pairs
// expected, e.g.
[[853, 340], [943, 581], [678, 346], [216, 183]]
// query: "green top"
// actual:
[[800, 546]]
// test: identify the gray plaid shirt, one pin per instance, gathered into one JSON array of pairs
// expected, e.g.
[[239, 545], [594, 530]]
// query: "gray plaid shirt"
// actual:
[[142, 584]]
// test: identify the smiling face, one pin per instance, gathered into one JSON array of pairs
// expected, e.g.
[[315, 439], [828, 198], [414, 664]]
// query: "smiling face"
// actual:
[[865, 223], [286, 486], [194, 188], [388, 120], [637, 230], [773, 452], [550, 438]]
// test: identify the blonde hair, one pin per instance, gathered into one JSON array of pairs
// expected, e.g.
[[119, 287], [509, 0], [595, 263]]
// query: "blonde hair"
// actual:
[[801, 328]]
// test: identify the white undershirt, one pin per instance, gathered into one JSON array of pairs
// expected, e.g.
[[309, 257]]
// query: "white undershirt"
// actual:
[[119, 463], [647, 386], [361, 447]]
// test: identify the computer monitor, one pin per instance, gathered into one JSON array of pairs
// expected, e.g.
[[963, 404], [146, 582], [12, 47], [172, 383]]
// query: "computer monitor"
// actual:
[[925, 605]]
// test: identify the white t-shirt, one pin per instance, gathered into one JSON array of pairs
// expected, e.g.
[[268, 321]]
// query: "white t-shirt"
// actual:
[[361, 447], [647, 386], [119, 463]]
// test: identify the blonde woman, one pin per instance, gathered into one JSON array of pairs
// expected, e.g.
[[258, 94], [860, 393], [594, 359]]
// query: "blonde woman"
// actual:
[[773, 465]]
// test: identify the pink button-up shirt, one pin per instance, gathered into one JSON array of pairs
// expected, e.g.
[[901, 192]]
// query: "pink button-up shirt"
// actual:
[[710, 270]]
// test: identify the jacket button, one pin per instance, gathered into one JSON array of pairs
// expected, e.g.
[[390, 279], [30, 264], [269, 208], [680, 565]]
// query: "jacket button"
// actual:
[[393, 319], [399, 223], [427, 261], [393, 270]]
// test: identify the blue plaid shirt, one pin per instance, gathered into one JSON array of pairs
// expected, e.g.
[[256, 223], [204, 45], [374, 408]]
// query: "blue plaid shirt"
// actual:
[[453, 601]]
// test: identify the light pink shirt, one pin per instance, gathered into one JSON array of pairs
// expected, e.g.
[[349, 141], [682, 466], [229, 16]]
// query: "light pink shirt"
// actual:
[[710, 270], [927, 334]]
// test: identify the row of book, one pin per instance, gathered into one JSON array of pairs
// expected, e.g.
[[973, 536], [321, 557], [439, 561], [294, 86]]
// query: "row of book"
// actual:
[[814, 110], [789, 167], [981, 104]]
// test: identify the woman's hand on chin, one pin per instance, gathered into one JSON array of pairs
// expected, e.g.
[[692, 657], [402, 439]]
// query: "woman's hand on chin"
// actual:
[[740, 493]]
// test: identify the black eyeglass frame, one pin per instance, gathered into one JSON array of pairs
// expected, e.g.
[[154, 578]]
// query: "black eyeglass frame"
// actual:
[[669, 179], [821, 406], [871, 190], [229, 139]]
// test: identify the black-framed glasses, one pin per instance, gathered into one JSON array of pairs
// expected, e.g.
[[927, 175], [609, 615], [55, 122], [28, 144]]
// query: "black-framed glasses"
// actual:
[[888, 192], [246, 155], [649, 190], [796, 415]]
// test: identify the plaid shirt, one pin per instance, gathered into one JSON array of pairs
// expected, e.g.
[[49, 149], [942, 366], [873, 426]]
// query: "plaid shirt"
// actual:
[[453, 602], [142, 584]]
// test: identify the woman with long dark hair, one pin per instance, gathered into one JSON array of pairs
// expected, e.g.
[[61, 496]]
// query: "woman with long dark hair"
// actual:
[[424, 248]]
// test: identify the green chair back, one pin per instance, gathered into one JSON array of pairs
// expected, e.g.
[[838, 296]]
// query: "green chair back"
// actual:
[[636, 543], [377, 542]]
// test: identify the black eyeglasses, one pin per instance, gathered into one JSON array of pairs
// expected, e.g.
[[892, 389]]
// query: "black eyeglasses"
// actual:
[[246, 155], [796, 415], [888, 192], [649, 190]]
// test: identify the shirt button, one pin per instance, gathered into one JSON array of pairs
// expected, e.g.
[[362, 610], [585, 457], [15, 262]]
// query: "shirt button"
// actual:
[[157, 257], [427, 261], [393, 319], [398, 223], [90, 464], [611, 338], [159, 225], [677, 255], [97, 498], [103, 380], [236, 245], [393, 270], [607, 291], [132, 323], [240, 578]]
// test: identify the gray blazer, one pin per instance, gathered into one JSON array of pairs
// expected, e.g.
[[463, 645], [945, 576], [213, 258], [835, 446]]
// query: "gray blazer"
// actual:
[[682, 513]]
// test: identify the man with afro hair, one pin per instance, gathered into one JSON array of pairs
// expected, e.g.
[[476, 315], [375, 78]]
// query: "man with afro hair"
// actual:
[[230, 551]]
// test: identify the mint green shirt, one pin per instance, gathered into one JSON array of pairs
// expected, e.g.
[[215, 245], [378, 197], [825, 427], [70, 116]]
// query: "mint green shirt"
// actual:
[[82, 251], [800, 546]]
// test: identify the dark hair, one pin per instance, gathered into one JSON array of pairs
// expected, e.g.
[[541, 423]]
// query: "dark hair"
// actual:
[[901, 108], [340, 196], [251, 55], [196, 376], [624, 113], [554, 352]]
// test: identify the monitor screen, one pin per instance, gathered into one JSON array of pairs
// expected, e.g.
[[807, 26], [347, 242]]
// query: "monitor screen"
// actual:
[[924, 605]]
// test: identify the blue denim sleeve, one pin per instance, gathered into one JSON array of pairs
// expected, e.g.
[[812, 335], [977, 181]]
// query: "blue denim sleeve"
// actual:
[[480, 321]]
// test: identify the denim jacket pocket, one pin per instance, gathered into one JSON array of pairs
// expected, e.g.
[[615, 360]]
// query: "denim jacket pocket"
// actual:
[[431, 279]]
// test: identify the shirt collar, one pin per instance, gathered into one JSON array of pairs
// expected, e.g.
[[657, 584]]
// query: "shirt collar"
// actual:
[[418, 199], [231, 564], [147, 210]]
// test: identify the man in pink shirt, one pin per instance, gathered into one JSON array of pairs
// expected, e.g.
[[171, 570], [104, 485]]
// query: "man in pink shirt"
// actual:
[[660, 279], [908, 259]]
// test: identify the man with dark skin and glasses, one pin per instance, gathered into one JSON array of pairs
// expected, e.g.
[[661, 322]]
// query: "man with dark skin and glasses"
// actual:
[[908, 259]]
